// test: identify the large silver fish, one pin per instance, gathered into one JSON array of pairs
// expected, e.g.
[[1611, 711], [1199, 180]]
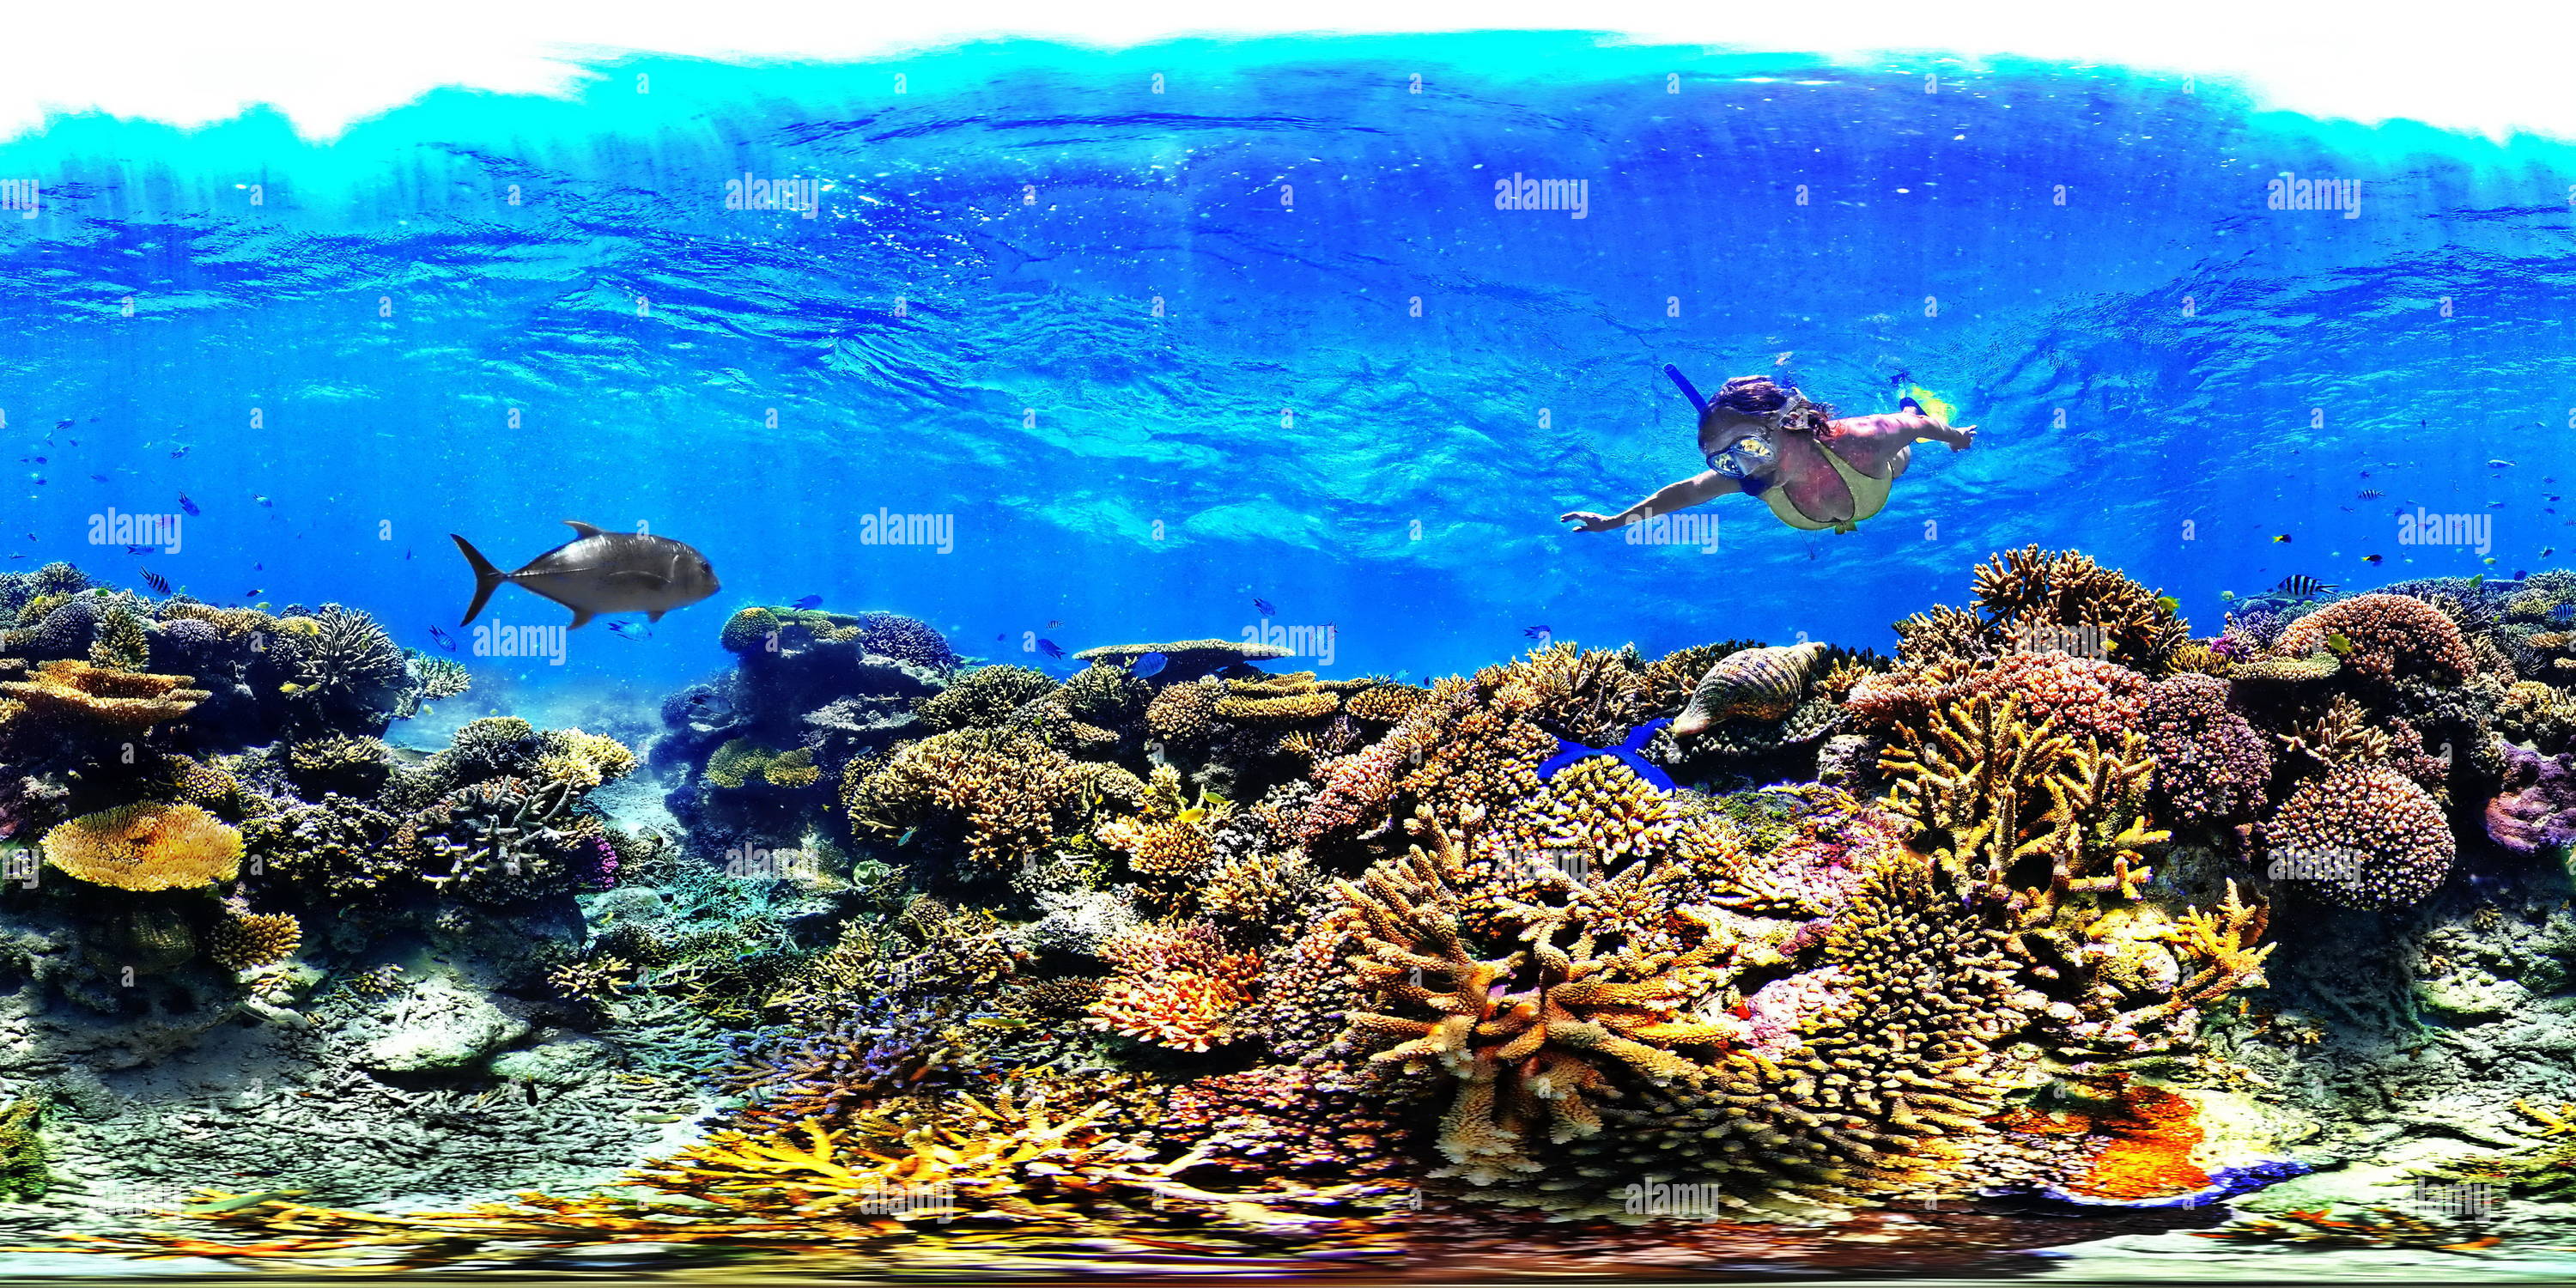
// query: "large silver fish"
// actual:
[[602, 572]]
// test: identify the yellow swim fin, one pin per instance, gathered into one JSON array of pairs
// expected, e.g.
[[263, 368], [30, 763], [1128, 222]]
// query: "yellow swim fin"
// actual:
[[1934, 405]]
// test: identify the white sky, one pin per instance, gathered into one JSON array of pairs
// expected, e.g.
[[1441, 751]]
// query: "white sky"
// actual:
[[2479, 66]]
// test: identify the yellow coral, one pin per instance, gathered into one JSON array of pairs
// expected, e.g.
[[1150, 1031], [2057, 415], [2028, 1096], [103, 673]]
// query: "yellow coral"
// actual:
[[147, 846], [75, 693], [794, 769], [256, 939], [586, 760]]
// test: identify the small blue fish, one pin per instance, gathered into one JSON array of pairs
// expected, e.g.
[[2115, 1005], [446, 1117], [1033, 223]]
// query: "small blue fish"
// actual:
[[1569, 752], [1148, 666], [138, 550], [810, 601], [1051, 648], [177, 454], [256, 591], [630, 631], [264, 501], [1264, 607], [406, 552], [97, 478], [188, 505], [1540, 631], [442, 639]]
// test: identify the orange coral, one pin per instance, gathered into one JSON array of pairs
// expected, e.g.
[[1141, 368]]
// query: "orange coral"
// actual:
[[1176, 986], [2152, 1135], [146, 846]]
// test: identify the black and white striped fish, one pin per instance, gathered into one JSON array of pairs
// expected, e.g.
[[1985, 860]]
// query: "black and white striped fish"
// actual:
[[2299, 585]]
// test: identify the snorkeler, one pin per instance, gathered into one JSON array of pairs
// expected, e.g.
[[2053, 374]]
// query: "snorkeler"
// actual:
[[1815, 471]]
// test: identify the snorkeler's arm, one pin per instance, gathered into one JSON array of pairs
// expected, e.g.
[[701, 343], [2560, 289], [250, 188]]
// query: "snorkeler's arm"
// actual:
[[1706, 486]]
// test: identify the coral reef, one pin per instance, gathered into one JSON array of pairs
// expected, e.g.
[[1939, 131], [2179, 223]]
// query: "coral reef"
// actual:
[[2363, 837]]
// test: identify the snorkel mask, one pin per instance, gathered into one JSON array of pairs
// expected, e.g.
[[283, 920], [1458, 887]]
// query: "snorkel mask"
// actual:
[[1747, 459]]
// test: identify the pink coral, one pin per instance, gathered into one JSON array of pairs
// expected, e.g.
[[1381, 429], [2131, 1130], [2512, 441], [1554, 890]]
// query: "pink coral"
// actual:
[[2537, 808], [2391, 637], [2211, 763]]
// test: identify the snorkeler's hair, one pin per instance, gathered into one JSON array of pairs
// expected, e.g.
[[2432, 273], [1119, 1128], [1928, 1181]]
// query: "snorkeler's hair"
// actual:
[[1758, 396]]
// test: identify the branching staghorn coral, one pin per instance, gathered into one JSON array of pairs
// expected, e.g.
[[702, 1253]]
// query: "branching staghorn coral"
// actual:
[[2037, 597], [1001, 793], [1528, 1037], [1175, 986]]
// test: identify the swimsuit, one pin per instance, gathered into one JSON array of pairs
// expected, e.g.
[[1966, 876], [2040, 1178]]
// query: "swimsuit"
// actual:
[[1868, 495]]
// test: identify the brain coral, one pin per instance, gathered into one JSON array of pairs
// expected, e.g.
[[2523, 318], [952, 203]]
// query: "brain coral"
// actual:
[[2392, 637], [2211, 763], [2364, 837], [147, 846]]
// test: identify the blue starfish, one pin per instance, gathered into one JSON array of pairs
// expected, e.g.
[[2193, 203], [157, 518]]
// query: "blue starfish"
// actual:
[[1569, 752]]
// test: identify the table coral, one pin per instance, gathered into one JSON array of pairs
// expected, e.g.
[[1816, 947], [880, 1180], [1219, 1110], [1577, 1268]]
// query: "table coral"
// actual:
[[75, 699], [146, 846]]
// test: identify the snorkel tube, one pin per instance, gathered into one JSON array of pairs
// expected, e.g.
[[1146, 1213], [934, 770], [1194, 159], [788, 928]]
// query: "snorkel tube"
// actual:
[[1722, 462], [1698, 404]]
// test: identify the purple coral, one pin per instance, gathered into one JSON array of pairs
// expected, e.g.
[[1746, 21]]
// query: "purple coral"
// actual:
[[2211, 763], [2537, 808]]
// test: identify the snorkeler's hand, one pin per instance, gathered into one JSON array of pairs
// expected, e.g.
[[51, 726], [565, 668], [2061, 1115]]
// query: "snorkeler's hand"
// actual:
[[1587, 521], [1967, 437]]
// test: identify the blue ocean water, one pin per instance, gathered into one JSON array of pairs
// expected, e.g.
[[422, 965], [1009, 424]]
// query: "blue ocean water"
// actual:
[[1155, 334]]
